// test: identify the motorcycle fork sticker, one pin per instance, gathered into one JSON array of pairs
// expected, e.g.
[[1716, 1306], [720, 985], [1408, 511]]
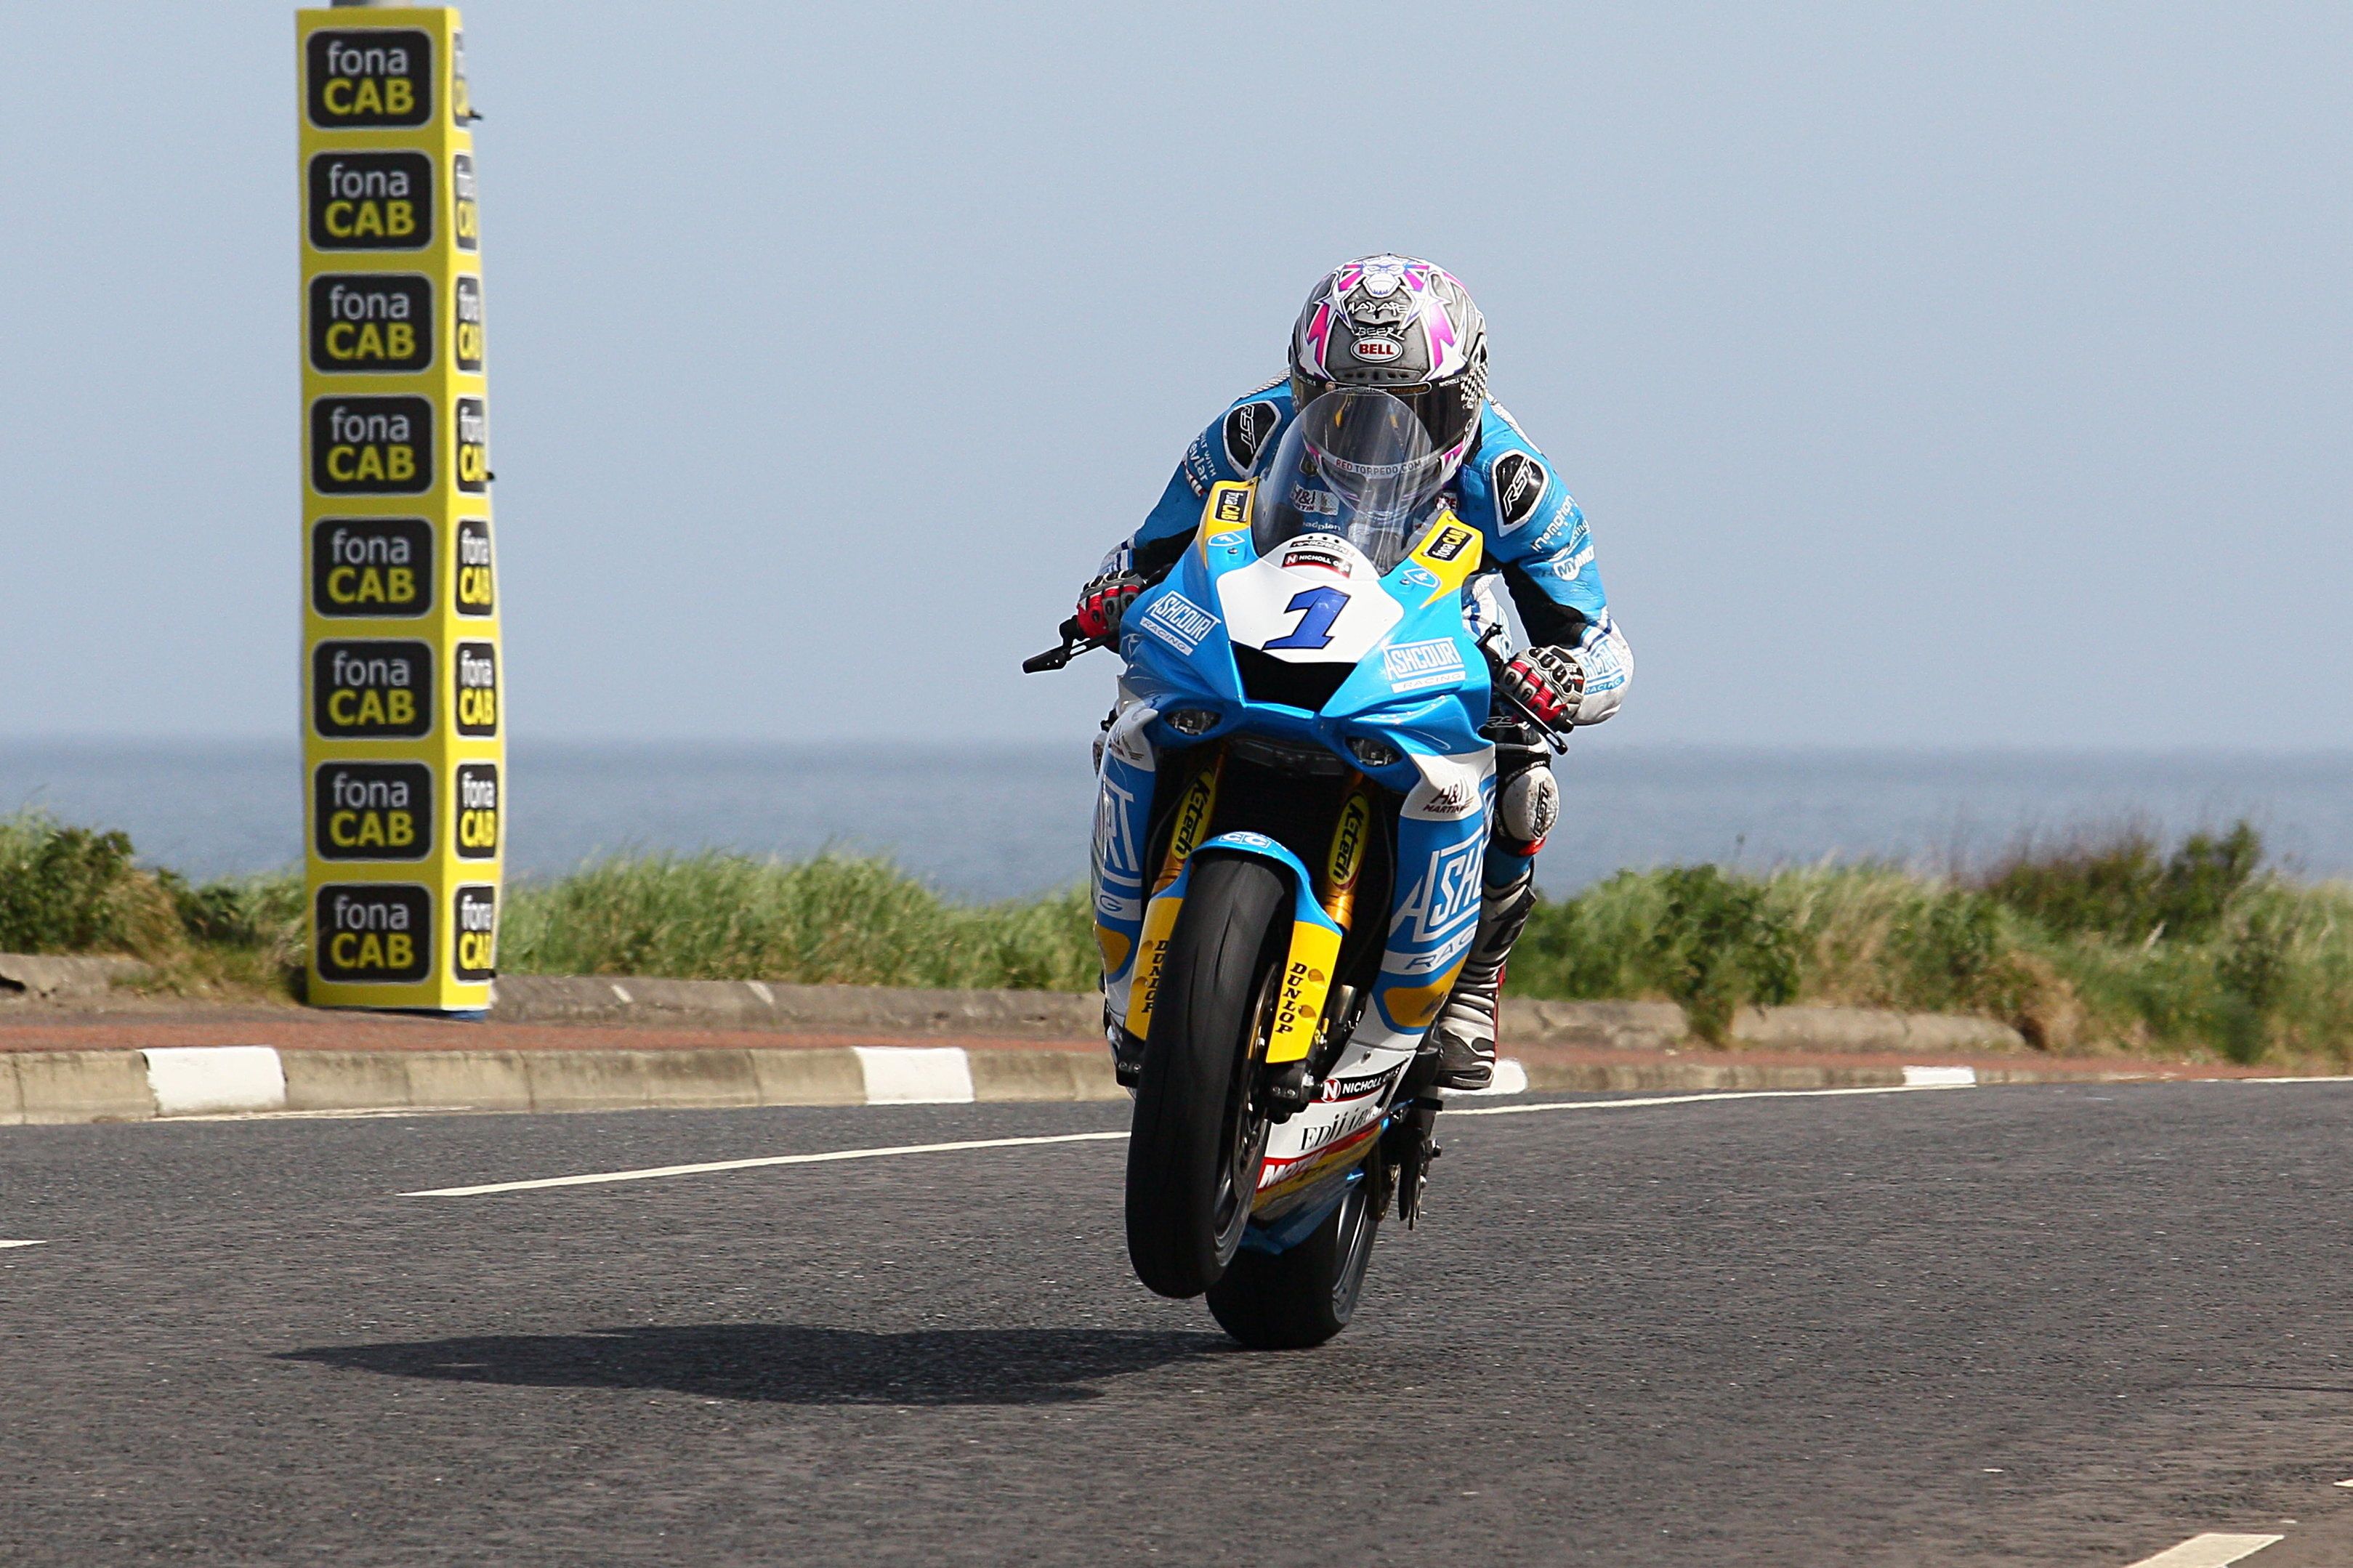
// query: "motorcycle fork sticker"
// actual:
[[1193, 813], [1306, 981]]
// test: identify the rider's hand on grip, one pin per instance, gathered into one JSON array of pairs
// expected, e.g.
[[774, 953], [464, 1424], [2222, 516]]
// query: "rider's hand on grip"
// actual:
[[1547, 682], [1102, 601]]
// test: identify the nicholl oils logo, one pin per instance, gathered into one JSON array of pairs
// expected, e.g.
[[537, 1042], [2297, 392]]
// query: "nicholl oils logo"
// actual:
[[372, 811], [368, 79], [371, 566]]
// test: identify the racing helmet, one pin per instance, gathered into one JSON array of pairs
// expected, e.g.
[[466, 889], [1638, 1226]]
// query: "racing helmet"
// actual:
[[1405, 327]]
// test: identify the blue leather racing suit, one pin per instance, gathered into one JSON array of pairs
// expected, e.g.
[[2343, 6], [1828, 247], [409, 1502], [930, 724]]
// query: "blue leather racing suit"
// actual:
[[1539, 550]]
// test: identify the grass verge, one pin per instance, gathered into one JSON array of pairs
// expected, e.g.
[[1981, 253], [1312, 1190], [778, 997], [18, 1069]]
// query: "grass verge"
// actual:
[[2103, 942]]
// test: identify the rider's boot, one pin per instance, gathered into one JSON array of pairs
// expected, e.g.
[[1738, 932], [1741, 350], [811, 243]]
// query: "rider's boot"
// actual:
[[1465, 1030]]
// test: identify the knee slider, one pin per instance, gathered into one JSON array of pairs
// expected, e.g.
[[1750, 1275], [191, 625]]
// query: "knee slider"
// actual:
[[1526, 807]]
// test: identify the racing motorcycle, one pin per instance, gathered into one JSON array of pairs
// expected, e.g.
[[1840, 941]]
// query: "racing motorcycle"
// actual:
[[1291, 814]]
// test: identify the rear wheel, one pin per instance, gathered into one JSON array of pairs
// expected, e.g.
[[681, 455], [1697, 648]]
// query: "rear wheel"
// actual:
[[1200, 1137], [1290, 1301]]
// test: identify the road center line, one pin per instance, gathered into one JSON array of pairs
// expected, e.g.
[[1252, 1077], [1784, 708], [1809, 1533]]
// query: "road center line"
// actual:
[[1696, 1098], [7, 1244], [651, 1172], [2209, 1550]]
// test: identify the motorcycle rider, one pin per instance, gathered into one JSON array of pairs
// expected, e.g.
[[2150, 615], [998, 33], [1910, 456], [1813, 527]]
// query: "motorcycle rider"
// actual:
[[1408, 329]]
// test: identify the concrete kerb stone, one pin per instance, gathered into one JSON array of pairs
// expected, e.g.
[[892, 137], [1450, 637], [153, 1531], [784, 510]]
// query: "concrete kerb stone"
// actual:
[[824, 1077], [1044, 1076], [83, 1085], [478, 1080], [346, 1080], [12, 1097]]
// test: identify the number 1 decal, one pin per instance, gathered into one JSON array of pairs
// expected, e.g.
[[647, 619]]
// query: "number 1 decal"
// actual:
[[1322, 606]]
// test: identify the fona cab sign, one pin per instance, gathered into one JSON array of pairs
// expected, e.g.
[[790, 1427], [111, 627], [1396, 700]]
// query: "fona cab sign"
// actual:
[[373, 933]]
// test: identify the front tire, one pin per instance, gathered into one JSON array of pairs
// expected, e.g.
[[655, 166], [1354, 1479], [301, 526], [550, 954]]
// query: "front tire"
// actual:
[[1292, 1301], [1198, 1138]]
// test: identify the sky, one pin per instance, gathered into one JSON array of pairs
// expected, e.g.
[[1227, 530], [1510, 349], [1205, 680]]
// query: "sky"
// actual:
[[1963, 375]]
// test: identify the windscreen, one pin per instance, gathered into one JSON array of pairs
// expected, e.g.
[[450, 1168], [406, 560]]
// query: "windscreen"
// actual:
[[1354, 462]]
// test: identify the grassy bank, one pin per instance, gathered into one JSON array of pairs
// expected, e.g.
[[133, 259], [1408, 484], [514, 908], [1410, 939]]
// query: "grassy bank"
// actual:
[[2098, 943]]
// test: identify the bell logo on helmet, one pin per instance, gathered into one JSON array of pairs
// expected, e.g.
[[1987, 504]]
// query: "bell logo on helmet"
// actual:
[[1379, 349]]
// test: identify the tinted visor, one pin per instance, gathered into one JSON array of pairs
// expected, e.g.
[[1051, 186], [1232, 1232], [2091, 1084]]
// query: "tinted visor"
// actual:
[[1445, 415]]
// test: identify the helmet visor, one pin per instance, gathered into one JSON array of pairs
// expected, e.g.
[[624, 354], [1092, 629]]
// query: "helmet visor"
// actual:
[[1354, 462]]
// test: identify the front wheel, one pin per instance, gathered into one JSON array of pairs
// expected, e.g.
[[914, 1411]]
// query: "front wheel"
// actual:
[[1290, 1300], [1199, 1136]]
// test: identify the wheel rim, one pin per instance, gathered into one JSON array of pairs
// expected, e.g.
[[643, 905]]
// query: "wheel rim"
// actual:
[[1244, 1131]]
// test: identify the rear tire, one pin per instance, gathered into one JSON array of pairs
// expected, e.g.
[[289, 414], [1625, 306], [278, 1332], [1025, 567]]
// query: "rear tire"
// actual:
[[1198, 1140], [1290, 1300]]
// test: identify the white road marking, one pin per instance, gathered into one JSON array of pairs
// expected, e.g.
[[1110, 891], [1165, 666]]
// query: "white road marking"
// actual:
[[2209, 1550], [915, 1075], [190, 1080], [4, 1244], [1696, 1098], [1940, 1077], [651, 1172]]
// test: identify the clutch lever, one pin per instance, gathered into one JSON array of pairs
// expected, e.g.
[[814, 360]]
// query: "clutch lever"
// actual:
[[1557, 738]]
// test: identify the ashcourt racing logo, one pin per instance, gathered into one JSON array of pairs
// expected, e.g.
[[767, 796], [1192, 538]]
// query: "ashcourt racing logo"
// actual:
[[372, 811], [368, 77], [1417, 665], [372, 446], [1179, 621], [380, 566], [370, 201], [373, 933], [368, 691], [1446, 896], [381, 324]]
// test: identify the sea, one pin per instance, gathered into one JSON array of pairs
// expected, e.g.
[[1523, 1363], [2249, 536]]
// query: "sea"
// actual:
[[984, 823]]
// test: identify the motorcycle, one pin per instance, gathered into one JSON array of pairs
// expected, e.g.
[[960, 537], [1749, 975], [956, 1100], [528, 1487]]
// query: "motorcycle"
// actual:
[[1292, 817]]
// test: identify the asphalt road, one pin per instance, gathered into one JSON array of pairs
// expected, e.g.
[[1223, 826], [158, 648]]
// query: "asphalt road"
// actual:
[[2039, 1325]]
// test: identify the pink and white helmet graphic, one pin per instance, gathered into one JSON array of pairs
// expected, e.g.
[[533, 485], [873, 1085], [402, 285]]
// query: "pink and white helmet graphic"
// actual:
[[1405, 326]]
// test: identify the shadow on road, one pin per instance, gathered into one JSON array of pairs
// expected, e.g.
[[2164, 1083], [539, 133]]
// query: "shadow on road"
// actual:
[[789, 1364]]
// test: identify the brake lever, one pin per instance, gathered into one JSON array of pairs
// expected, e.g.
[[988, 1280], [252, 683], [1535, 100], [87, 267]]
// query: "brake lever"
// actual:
[[1554, 738], [1074, 643]]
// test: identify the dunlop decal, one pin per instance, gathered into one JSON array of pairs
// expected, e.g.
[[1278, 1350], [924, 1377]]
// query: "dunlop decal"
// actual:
[[372, 811], [371, 690], [370, 201], [476, 582], [376, 323], [371, 446], [368, 79], [376, 567], [374, 932], [474, 920], [478, 811]]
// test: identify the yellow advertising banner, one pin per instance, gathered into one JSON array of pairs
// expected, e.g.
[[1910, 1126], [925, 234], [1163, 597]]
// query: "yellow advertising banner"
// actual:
[[403, 744]]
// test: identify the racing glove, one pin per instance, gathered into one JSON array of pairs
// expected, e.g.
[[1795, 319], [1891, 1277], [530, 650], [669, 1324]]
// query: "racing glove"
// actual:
[[1104, 600], [1547, 681]]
